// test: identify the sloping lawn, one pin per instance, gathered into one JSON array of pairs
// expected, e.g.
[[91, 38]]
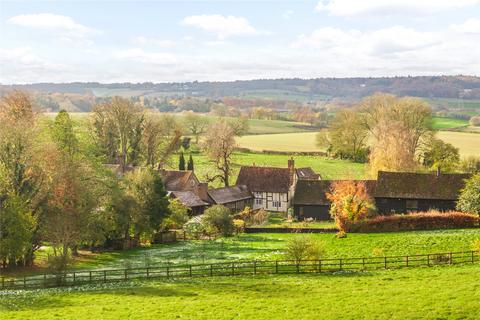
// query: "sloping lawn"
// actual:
[[424, 293]]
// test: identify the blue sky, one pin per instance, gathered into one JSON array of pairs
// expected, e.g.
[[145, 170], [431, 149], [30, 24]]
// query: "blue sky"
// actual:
[[165, 41]]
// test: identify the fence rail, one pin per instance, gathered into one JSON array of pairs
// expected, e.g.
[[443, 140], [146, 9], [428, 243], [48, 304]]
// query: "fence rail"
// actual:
[[235, 268]]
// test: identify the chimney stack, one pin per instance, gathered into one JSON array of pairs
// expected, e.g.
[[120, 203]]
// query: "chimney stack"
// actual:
[[202, 191], [291, 169]]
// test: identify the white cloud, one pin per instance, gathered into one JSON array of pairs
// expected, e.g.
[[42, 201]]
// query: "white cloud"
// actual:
[[287, 15], [139, 55], [144, 41], [63, 24], [471, 26], [386, 7], [222, 26]]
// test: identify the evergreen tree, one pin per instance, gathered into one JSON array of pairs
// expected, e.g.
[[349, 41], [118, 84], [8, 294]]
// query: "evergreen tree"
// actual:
[[181, 162], [190, 163]]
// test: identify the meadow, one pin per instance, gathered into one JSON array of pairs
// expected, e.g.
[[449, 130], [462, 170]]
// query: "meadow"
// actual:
[[440, 123], [398, 294], [270, 246]]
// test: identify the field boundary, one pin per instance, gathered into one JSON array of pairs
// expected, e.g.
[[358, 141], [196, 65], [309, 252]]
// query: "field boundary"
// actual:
[[289, 230], [235, 268]]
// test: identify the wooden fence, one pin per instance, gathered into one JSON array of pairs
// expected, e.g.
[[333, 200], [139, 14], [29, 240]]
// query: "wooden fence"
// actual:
[[234, 268]]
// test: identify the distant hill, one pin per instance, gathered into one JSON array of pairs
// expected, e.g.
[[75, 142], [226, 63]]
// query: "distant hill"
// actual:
[[79, 96]]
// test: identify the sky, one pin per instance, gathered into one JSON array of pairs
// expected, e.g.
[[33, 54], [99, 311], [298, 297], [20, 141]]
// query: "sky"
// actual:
[[175, 41]]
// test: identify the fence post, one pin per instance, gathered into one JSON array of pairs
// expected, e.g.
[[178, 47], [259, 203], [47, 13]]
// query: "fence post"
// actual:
[[363, 264], [126, 274], [428, 260], [276, 266], [168, 272], [341, 265], [319, 266], [233, 268], [44, 280], [406, 260], [298, 266], [3, 283], [73, 278], [211, 270], [24, 282], [90, 277], [148, 272], [473, 257], [385, 258], [184, 236], [190, 271], [104, 275], [450, 258]]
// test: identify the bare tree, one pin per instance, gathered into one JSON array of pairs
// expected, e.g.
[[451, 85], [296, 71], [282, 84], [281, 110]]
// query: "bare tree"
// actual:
[[195, 124], [219, 146]]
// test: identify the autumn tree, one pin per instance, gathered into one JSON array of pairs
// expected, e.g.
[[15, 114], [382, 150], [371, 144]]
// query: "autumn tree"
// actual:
[[195, 124], [469, 200], [440, 154], [219, 146], [118, 126], [239, 126], [346, 137], [350, 203]]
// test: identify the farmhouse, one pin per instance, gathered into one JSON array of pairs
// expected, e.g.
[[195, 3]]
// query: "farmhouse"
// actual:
[[185, 186], [310, 198], [410, 192], [235, 198], [272, 187]]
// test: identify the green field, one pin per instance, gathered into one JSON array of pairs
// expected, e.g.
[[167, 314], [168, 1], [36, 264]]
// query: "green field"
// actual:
[[440, 123], [424, 293], [467, 142], [270, 246]]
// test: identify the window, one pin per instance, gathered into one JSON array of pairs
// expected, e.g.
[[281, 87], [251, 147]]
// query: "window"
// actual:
[[277, 204], [259, 201], [412, 205]]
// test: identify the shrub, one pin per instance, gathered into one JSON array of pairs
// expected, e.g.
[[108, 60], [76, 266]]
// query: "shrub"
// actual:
[[303, 247], [469, 200], [178, 215], [476, 245], [475, 121], [418, 221], [260, 218], [194, 229], [217, 219], [350, 203]]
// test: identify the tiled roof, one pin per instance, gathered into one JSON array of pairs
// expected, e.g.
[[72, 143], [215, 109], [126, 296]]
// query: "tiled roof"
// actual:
[[314, 192], [189, 199], [420, 185], [265, 179], [307, 174], [229, 194], [177, 180]]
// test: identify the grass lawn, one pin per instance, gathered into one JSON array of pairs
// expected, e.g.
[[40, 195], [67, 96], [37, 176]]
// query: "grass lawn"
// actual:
[[448, 292], [440, 123], [270, 246], [278, 220]]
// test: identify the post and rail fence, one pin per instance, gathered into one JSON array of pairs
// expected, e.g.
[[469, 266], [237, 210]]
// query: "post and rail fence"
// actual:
[[236, 268]]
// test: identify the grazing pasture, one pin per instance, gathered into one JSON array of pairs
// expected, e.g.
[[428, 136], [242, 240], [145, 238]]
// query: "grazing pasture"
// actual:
[[397, 294], [467, 142], [440, 123]]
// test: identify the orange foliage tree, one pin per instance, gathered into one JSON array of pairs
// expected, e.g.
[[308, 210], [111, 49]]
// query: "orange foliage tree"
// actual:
[[350, 203]]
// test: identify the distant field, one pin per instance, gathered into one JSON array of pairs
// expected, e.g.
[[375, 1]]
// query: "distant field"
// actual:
[[294, 142], [283, 95], [448, 123], [468, 143], [455, 103]]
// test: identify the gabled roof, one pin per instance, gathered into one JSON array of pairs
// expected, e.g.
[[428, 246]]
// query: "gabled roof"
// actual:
[[265, 179], [229, 194], [409, 185], [177, 180], [307, 174], [314, 192], [189, 199]]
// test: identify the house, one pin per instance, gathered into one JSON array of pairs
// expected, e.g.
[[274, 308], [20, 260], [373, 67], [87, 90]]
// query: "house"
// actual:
[[185, 186], [310, 198], [235, 198], [306, 174], [399, 192], [271, 187], [191, 200]]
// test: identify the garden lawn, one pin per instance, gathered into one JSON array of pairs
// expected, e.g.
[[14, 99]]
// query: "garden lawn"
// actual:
[[447, 292], [270, 246]]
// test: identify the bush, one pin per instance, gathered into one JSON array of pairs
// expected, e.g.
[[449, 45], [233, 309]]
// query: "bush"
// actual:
[[418, 221], [475, 121], [469, 200], [303, 247], [194, 229], [260, 218], [178, 215], [217, 219]]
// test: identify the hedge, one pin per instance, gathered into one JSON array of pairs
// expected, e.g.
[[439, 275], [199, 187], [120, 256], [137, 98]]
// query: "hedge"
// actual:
[[418, 221]]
